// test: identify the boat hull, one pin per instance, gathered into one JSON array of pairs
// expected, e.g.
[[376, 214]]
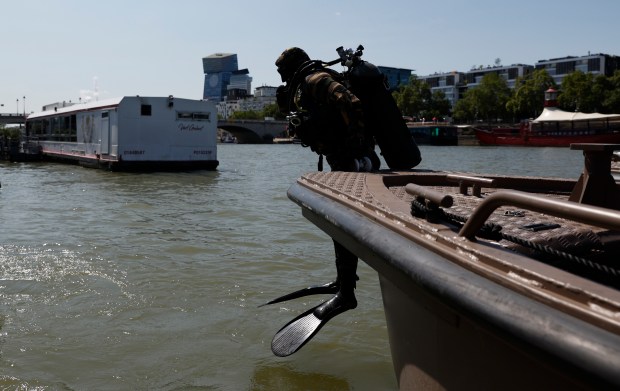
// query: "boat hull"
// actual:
[[112, 163], [492, 138], [435, 347], [452, 321]]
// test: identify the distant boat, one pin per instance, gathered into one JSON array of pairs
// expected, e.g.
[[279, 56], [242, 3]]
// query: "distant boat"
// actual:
[[556, 128], [283, 140], [228, 138], [431, 133]]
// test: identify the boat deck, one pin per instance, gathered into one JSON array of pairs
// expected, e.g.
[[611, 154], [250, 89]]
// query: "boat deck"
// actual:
[[530, 242], [564, 242], [485, 276], [536, 276]]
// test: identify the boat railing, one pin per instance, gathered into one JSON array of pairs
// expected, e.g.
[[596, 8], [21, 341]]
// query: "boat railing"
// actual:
[[589, 214], [593, 215]]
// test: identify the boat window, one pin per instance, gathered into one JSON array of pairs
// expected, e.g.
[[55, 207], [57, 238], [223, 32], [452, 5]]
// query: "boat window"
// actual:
[[194, 116], [37, 127], [145, 110]]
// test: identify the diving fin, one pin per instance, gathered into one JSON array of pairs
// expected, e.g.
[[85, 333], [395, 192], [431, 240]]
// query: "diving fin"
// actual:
[[330, 287], [296, 333]]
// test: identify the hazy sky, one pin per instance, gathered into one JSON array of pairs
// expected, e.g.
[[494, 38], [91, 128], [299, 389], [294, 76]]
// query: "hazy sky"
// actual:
[[55, 50]]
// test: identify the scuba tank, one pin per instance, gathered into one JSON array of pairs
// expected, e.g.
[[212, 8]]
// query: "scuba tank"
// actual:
[[381, 114]]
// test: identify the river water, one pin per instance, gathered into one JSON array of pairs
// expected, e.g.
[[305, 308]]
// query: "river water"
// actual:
[[119, 281]]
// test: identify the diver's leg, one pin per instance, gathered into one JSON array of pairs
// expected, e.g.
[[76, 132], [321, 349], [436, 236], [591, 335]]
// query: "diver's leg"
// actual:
[[346, 267]]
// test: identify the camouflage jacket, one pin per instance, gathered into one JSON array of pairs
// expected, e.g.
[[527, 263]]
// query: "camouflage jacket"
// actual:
[[326, 116]]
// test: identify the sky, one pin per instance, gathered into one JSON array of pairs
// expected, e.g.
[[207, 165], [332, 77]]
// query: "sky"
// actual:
[[70, 50]]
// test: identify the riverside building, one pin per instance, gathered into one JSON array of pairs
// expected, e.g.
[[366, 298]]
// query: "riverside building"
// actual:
[[454, 84], [597, 64]]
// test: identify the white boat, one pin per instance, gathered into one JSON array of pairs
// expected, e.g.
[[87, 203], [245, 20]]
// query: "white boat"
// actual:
[[283, 140], [129, 133], [489, 282]]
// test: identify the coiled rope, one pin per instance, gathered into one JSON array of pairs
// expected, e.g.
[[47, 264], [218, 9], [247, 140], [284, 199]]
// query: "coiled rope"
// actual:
[[494, 232]]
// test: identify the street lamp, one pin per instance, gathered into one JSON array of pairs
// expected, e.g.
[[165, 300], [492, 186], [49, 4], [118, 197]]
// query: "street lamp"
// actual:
[[17, 111], [24, 107]]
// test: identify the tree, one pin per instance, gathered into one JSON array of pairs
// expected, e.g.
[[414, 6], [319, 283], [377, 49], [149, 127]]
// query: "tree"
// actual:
[[273, 111], [611, 94], [439, 106], [464, 110], [528, 97], [12, 133], [578, 93], [250, 114], [485, 102], [416, 99], [413, 99]]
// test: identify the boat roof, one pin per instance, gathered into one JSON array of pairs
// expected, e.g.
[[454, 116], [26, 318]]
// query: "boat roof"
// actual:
[[553, 114], [79, 107]]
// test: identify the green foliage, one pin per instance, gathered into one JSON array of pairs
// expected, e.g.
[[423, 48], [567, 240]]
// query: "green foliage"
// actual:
[[250, 114], [440, 106], [268, 111], [528, 97], [464, 109], [486, 102], [578, 93], [416, 100], [272, 110], [611, 100], [12, 133]]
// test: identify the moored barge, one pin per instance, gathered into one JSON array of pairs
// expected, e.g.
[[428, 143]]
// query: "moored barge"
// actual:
[[129, 133], [440, 134]]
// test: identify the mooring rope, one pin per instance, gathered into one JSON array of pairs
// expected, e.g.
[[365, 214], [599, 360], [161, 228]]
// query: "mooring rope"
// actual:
[[494, 231]]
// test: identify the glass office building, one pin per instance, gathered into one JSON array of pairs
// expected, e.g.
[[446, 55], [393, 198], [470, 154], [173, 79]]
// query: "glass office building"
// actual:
[[218, 69]]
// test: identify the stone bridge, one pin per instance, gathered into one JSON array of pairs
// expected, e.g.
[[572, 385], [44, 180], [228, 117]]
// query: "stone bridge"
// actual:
[[249, 131], [6, 119]]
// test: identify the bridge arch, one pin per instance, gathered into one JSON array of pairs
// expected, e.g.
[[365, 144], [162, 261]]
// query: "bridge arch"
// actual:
[[254, 131], [244, 135]]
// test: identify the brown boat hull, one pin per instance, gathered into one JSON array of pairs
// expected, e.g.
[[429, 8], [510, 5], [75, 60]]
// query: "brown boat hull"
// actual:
[[463, 313]]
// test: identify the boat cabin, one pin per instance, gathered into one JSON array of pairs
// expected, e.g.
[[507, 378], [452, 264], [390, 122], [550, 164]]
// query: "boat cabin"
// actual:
[[130, 132]]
